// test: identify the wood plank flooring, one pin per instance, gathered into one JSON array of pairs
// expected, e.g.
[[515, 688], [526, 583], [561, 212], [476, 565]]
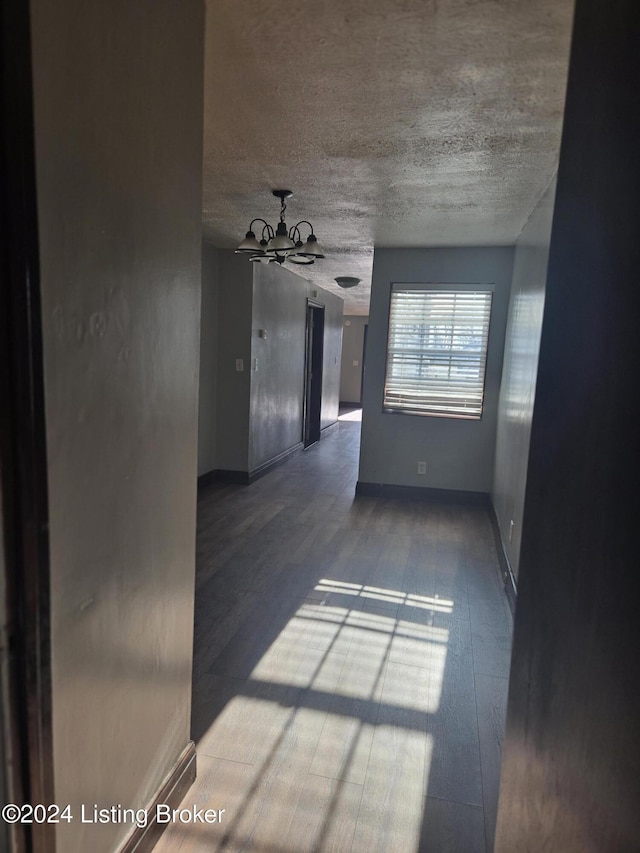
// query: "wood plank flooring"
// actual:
[[350, 671]]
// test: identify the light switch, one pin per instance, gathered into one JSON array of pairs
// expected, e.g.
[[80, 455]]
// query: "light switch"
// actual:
[[239, 365], [356, 363]]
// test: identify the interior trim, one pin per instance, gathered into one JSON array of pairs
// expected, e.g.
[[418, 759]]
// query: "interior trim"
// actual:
[[506, 571], [26, 662], [270, 464], [245, 478], [207, 479], [450, 496], [171, 792], [327, 430]]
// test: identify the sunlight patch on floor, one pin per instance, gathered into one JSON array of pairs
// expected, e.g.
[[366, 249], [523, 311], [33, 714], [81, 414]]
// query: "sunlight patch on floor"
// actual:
[[311, 649], [336, 715], [353, 416], [426, 602]]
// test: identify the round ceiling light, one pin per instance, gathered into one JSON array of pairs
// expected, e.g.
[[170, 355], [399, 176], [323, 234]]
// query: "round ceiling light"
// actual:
[[347, 280]]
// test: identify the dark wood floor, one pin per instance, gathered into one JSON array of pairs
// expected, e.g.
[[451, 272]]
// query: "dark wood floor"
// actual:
[[351, 662]]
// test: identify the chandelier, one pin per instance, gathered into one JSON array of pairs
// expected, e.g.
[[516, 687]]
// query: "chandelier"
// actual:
[[281, 245]]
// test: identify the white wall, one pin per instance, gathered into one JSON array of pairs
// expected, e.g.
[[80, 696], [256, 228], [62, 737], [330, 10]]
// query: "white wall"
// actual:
[[118, 136], [352, 343], [519, 372], [333, 311], [459, 453], [208, 388]]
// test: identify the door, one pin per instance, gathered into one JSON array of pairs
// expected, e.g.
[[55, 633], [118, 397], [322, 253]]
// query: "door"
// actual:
[[313, 373]]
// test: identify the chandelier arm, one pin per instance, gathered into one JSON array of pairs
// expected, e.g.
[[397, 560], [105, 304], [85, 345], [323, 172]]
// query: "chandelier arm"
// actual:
[[258, 219], [288, 243], [303, 222], [293, 231]]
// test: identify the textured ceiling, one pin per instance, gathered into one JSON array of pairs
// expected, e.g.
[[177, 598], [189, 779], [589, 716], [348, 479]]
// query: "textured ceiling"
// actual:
[[396, 123]]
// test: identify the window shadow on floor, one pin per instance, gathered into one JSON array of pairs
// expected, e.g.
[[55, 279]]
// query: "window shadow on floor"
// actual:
[[341, 645]]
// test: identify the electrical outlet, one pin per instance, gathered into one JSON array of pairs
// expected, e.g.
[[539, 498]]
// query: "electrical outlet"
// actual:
[[422, 467]]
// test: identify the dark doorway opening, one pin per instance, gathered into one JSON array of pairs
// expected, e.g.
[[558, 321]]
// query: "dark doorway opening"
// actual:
[[364, 353], [313, 373]]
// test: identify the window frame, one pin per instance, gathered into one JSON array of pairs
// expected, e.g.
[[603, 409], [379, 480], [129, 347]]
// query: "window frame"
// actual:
[[454, 287]]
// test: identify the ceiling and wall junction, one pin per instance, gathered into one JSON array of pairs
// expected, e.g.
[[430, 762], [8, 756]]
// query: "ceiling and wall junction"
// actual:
[[397, 123]]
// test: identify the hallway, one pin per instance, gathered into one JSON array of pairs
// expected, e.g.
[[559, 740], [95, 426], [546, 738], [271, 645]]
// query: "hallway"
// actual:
[[350, 667]]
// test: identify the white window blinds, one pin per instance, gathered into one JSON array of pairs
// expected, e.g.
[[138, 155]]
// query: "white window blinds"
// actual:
[[437, 351]]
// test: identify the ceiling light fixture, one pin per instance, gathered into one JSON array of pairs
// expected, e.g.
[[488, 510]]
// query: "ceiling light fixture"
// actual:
[[347, 280], [281, 245]]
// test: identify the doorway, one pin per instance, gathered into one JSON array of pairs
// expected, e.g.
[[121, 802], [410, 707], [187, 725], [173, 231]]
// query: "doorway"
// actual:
[[364, 353], [313, 373], [26, 740]]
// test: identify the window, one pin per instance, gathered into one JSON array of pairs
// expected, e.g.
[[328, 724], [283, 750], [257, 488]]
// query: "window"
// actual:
[[437, 350]]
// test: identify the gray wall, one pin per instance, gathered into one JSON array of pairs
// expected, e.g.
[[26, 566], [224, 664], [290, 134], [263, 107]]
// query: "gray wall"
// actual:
[[118, 132], [208, 388], [235, 304], [279, 305], [459, 453], [519, 373], [571, 751], [258, 411], [277, 386], [351, 374]]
